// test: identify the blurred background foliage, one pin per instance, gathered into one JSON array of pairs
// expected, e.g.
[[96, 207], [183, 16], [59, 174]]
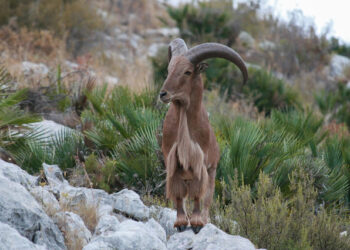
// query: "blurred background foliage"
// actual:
[[59, 17]]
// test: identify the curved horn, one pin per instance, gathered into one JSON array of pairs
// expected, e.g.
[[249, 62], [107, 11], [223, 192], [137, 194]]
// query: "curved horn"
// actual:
[[209, 50], [177, 47]]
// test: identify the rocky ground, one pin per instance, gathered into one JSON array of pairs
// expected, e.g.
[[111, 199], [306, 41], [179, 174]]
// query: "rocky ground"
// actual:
[[46, 212]]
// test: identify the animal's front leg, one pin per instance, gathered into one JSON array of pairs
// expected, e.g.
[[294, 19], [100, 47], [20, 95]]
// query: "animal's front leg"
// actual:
[[181, 219], [196, 218]]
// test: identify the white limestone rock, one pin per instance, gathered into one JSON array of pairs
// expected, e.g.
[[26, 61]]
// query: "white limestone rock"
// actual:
[[130, 235], [106, 224], [246, 39], [210, 237], [128, 202], [14, 173], [20, 210], [337, 65], [166, 218], [46, 199], [30, 69], [156, 229], [10, 239], [73, 227]]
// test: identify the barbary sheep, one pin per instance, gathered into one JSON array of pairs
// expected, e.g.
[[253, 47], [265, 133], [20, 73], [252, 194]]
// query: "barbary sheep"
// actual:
[[189, 146]]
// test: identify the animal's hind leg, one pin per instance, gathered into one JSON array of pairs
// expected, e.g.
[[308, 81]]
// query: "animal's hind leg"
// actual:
[[208, 198]]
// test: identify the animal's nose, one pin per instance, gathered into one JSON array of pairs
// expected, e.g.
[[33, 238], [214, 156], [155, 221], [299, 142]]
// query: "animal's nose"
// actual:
[[162, 94]]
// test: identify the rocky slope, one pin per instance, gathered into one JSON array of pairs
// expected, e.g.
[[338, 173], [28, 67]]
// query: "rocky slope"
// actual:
[[48, 213]]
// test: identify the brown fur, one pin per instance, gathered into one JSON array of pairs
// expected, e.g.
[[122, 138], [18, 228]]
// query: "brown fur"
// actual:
[[189, 145]]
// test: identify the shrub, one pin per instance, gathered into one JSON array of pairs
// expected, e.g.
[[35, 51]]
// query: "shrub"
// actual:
[[126, 128], [102, 172], [13, 121], [335, 104], [269, 92], [59, 149], [210, 21], [271, 221], [266, 91], [280, 145], [339, 48], [216, 21]]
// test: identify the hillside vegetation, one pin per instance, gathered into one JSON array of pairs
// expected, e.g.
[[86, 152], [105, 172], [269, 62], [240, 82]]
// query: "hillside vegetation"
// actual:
[[283, 180]]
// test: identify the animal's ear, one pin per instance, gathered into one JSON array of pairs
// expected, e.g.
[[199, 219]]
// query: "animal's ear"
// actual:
[[200, 67], [169, 54]]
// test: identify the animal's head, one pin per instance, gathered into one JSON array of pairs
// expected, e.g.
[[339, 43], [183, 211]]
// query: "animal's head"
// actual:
[[186, 65]]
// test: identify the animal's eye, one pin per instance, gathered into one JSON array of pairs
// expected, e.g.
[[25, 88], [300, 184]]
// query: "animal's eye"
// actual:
[[188, 73]]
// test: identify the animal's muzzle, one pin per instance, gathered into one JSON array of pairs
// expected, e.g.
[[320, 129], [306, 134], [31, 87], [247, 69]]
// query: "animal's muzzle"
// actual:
[[164, 96]]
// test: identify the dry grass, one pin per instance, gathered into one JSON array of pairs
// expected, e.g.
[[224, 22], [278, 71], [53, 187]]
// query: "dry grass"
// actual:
[[89, 215], [87, 212], [24, 45], [71, 238]]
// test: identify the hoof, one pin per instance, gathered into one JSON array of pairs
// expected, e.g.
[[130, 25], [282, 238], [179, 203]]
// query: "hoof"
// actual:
[[196, 229], [181, 228]]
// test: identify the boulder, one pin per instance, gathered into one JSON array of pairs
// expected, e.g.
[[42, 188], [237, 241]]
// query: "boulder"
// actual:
[[131, 235], [129, 203], [156, 229], [246, 39], [104, 210], [53, 172], [14, 173], [184, 240], [74, 229], [111, 80], [71, 65], [75, 198], [154, 48], [30, 69], [337, 65], [21, 211], [166, 218], [267, 45], [46, 199], [162, 32], [210, 237], [11, 240], [107, 223]]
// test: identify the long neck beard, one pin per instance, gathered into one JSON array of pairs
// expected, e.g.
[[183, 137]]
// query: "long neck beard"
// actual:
[[185, 151]]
